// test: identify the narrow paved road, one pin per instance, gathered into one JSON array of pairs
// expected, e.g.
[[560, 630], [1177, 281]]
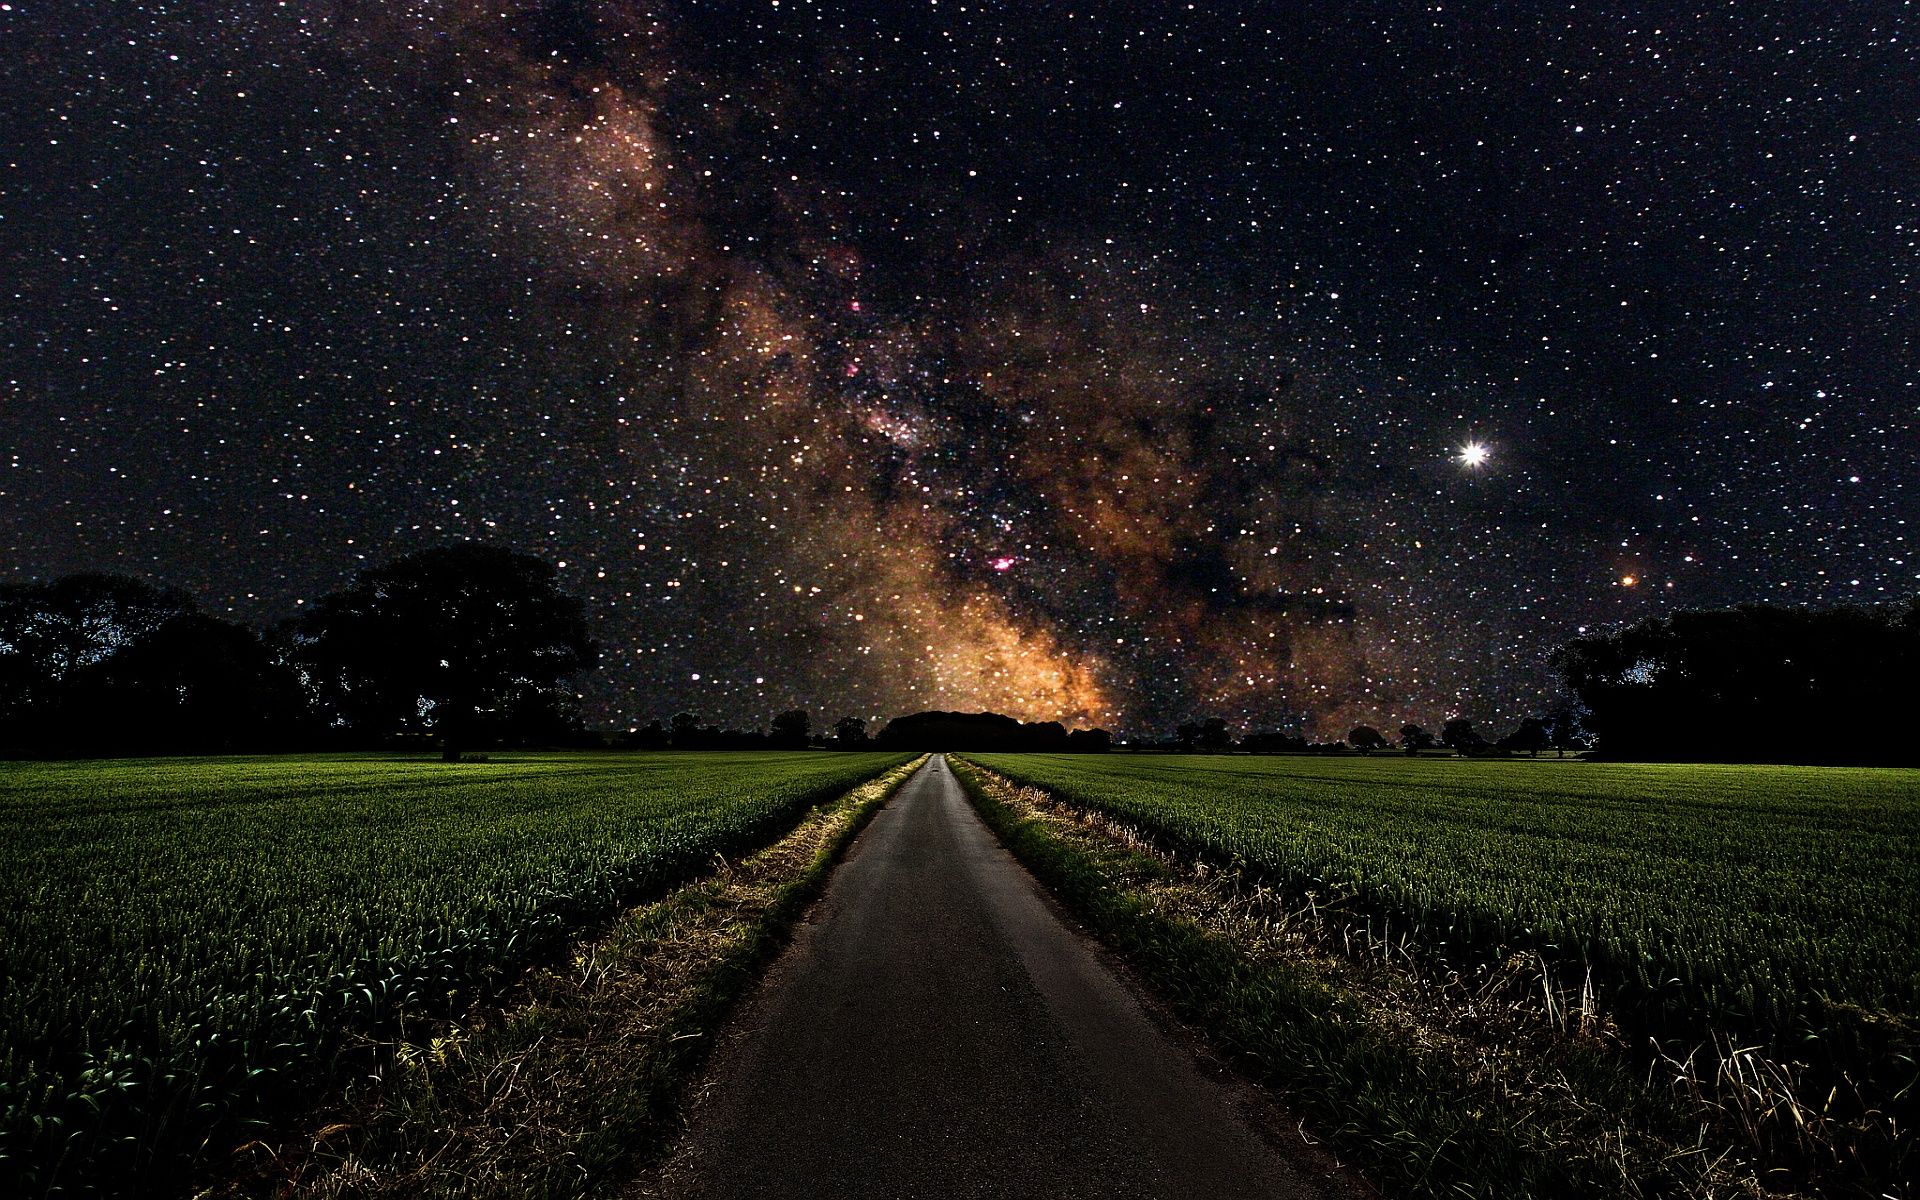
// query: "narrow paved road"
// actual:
[[937, 1030]]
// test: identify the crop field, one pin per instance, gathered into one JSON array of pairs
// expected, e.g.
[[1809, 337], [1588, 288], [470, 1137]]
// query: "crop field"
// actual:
[[189, 942], [1774, 904]]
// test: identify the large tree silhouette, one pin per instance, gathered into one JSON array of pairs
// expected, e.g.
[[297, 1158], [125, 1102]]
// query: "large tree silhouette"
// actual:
[[1366, 739], [461, 641], [1757, 682], [1530, 737], [790, 728], [110, 664], [1460, 736], [850, 732]]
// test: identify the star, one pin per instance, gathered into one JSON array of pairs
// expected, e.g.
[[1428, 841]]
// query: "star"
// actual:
[[700, 351]]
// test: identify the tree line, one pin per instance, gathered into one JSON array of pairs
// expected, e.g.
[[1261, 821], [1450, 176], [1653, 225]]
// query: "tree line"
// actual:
[[792, 730], [467, 644], [1756, 683], [1560, 730], [471, 645]]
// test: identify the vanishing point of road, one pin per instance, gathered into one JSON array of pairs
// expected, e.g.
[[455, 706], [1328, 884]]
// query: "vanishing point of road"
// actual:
[[937, 1030]]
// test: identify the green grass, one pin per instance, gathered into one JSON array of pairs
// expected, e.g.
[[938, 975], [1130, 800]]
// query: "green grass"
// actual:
[[1773, 905], [189, 943], [1753, 897]]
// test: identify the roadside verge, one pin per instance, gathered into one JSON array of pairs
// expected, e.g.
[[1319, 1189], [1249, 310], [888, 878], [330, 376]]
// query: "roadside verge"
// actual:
[[1435, 1084], [572, 1079]]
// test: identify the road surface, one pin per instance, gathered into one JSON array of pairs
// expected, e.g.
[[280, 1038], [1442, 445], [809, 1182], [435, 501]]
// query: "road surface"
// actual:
[[937, 1030]]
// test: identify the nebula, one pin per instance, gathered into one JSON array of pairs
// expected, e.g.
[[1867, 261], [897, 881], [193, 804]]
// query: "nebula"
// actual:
[[1014, 501]]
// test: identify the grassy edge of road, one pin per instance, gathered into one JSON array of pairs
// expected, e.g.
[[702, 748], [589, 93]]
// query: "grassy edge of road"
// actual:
[[571, 1082], [1434, 1088]]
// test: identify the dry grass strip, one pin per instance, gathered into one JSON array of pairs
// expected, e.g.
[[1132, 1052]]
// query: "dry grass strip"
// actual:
[[571, 1080], [1530, 1057]]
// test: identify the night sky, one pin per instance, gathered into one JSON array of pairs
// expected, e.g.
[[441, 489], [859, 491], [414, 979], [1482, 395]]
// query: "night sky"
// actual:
[[1111, 363]]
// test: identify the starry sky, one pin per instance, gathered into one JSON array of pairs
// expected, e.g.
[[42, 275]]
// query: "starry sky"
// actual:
[[1105, 362]]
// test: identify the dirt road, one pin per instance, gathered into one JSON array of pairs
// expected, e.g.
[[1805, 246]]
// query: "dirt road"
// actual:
[[938, 1030]]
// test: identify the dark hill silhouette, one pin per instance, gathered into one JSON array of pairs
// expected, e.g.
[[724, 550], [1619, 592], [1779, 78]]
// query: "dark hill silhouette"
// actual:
[[985, 731]]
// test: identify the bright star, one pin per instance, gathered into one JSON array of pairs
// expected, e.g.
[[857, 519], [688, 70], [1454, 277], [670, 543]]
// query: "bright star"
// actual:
[[1474, 454]]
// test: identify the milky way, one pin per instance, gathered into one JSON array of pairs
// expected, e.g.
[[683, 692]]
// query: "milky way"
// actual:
[[1112, 365]]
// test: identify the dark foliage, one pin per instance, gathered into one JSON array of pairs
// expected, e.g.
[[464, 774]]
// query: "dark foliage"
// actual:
[[1209, 734], [653, 737], [790, 729], [1757, 683], [467, 642], [985, 732], [105, 664], [850, 733], [1531, 736], [1564, 728], [1460, 736], [1366, 739], [1089, 741], [684, 731], [1273, 742]]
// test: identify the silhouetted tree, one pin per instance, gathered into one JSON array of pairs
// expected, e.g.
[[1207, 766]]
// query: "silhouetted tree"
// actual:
[[970, 731], [1089, 741], [1460, 736], [455, 640], [1564, 729], [850, 732], [1214, 734], [653, 736], [1187, 734], [111, 664], [1529, 737], [1366, 739], [1049, 735], [685, 731], [195, 683], [790, 728], [1756, 682], [1272, 741], [49, 631], [1414, 739]]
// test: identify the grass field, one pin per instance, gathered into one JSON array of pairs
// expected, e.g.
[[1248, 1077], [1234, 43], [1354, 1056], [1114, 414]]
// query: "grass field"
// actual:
[[1767, 905], [188, 943]]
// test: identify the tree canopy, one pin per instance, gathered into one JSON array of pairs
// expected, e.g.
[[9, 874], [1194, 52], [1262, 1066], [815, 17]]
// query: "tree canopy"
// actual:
[[1753, 683], [463, 641], [107, 663], [1366, 739]]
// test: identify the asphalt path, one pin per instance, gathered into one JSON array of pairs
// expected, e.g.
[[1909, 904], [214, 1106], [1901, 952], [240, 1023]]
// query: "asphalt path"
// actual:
[[938, 1029]]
